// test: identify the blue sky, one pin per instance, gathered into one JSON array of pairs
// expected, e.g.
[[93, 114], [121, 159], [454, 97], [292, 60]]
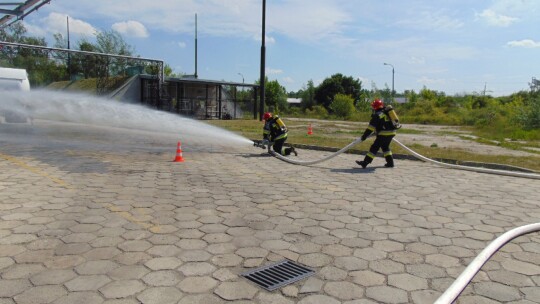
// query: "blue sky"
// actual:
[[454, 46]]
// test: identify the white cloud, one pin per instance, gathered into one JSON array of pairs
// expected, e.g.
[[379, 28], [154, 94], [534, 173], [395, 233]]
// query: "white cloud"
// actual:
[[35, 30], [525, 43], [288, 80], [417, 60], [427, 20], [495, 19], [317, 21], [364, 80], [521, 8], [271, 71], [321, 20], [182, 44], [426, 80], [267, 39], [57, 23], [131, 28]]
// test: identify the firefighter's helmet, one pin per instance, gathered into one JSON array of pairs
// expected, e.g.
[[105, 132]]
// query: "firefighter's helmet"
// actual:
[[267, 116], [377, 104]]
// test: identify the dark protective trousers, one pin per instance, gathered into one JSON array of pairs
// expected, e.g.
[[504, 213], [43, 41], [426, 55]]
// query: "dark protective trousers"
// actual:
[[278, 147], [381, 142]]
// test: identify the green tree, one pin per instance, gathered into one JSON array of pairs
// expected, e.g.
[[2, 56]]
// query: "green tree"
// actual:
[[85, 64], [308, 96], [337, 84], [112, 42], [343, 106], [275, 95], [42, 69]]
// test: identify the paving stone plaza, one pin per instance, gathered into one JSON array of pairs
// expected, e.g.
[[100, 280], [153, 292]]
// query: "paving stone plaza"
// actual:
[[128, 226]]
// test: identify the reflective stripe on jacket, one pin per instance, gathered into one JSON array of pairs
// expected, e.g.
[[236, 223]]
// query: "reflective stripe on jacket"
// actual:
[[380, 123], [273, 131]]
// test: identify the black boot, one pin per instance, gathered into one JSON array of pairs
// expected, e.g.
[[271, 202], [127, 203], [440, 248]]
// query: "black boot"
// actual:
[[362, 163], [367, 160], [293, 150], [389, 161]]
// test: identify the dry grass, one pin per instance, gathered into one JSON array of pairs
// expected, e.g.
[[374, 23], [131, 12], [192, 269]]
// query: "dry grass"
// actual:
[[338, 134]]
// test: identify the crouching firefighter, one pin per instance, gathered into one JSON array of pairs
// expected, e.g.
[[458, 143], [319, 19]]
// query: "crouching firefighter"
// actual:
[[384, 122], [275, 131]]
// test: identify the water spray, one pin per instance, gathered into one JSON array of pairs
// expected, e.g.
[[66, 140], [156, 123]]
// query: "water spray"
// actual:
[[85, 109]]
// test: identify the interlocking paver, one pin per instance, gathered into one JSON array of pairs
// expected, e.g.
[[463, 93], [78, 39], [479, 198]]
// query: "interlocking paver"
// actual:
[[87, 283], [160, 295], [40, 294], [10, 288], [145, 230], [80, 297], [162, 278], [53, 277], [122, 289], [128, 272]]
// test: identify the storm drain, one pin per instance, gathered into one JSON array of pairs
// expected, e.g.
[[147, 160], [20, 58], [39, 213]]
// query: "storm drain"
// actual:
[[277, 275]]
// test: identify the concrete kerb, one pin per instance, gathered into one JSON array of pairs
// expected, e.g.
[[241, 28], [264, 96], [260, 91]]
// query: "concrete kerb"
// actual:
[[410, 157]]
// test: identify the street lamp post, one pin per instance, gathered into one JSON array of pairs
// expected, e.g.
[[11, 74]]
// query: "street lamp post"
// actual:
[[263, 62], [242, 77], [392, 78]]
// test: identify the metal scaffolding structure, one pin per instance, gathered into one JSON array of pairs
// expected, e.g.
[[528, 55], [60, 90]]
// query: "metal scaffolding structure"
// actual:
[[12, 12], [102, 65]]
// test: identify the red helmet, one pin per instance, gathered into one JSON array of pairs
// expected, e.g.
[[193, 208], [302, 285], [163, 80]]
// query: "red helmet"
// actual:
[[267, 116], [377, 104]]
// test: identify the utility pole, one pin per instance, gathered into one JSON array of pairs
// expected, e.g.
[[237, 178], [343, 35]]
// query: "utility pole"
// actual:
[[392, 79], [263, 59], [69, 54], [485, 89], [196, 76]]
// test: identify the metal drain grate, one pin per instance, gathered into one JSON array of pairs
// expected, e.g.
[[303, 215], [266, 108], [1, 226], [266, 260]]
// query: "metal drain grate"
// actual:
[[277, 275]]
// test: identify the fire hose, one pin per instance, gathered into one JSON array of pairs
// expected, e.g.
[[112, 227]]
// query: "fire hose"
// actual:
[[307, 163], [451, 294], [418, 156]]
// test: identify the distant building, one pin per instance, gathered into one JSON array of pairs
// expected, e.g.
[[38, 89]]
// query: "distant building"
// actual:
[[294, 102], [401, 100]]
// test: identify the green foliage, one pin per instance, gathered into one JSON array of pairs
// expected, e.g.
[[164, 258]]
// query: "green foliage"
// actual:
[[275, 95], [337, 84], [43, 69], [308, 96], [294, 111], [529, 116], [112, 42], [317, 112], [343, 106]]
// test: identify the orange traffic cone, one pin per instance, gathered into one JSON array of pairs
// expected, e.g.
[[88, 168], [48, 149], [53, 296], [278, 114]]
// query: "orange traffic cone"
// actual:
[[178, 158], [309, 130]]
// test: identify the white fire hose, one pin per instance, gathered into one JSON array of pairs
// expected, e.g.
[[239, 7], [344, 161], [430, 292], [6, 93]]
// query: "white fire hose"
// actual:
[[421, 157], [451, 294]]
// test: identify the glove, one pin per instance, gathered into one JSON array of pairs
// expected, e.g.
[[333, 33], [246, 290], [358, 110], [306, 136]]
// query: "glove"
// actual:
[[265, 142]]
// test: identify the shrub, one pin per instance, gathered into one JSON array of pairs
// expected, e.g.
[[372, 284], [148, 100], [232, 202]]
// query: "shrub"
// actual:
[[317, 112], [343, 106]]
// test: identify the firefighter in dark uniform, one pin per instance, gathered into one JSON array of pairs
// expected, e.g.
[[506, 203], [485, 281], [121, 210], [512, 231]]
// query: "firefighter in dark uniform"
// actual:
[[275, 131], [385, 123]]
